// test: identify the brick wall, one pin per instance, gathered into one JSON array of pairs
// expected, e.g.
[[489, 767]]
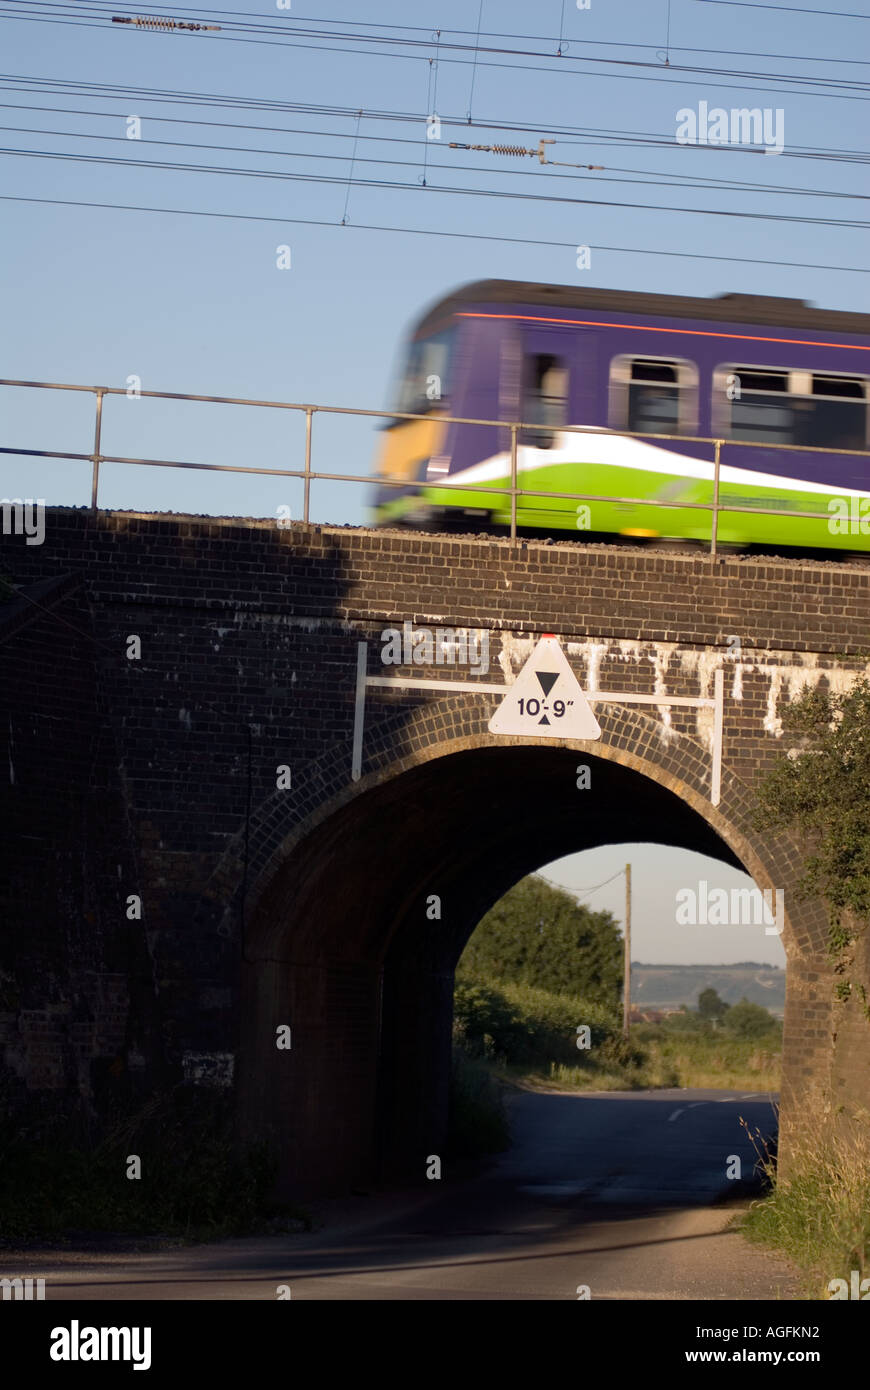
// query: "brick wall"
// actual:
[[167, 766]]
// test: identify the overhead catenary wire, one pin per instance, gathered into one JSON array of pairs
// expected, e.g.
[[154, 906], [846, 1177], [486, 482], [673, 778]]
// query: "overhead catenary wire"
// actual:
[[647, 177], [792, 9], [209, 100], [642, 177], [845, 90], [245, 16], [436, 232], [247, 24], [848, 224]]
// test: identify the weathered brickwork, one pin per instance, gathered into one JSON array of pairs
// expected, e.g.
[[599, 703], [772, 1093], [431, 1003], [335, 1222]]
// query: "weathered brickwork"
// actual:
[[305, 904]]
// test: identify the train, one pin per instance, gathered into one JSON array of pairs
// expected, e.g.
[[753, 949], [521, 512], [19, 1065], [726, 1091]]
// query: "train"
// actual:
[[781, 383]]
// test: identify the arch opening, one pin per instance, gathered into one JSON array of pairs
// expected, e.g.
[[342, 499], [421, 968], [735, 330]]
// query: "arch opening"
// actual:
[[355, 940]]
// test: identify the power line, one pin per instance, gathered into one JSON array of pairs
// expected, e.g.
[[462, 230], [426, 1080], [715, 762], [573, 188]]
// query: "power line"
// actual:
[[430, 231], [794, 9], [594, 135], [584, 891], [245, 15], [245, 23], [848, 224], [830, 87], [660, 180]]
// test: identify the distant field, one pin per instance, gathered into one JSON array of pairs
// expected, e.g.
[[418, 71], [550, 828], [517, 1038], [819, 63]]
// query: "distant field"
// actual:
[[530, 1035], [662, 986]]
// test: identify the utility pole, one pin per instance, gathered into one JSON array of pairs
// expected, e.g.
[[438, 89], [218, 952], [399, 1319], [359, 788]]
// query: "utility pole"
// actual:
[[626, 988]]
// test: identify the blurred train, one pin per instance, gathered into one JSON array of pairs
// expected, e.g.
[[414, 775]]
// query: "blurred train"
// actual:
[[748, 369]]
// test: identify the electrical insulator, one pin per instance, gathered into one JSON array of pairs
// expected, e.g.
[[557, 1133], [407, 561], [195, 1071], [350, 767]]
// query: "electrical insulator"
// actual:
[[156, 22]]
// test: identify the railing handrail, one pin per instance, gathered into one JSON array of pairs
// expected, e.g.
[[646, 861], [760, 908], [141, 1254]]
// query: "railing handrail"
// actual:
[[429, 415], [307, 475]]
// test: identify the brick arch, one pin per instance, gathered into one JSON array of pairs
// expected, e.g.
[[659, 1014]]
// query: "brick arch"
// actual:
[[453, 724], [335, 937]]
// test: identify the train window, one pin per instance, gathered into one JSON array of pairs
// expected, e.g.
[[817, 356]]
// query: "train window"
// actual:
[[836, 416], [545, 398], [426, 379], [761, 407], [653, 395], [780, 406]]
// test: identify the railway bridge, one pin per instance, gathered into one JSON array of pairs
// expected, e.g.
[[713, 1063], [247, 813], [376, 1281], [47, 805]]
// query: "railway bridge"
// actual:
[[239, 851]]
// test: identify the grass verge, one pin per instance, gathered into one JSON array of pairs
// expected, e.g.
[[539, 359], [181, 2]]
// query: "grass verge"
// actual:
[[818, 1211]]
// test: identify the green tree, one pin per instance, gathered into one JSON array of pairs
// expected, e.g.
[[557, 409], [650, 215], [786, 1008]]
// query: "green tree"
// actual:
[[710, 1005], [538, 935], [823, 795], [747, 1020]]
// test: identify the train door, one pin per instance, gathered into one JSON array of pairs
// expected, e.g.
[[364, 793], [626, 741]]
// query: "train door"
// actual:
[[555, 381]]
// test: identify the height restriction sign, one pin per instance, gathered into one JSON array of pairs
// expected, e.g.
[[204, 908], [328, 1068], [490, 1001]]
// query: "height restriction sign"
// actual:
[[546, 700]]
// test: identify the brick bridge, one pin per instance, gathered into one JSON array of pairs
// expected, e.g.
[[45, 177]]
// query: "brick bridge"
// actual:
[[156, 777]]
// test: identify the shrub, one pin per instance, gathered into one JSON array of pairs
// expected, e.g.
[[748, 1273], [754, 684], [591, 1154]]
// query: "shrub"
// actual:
[[478, 1123], [746, 1020], [195, 1180], [516, 1024]]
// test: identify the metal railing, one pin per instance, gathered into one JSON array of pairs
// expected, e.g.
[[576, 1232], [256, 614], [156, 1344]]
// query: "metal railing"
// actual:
[[307, 475]]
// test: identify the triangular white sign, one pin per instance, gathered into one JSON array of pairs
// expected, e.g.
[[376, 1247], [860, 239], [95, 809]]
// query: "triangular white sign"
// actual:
[[545, 700]]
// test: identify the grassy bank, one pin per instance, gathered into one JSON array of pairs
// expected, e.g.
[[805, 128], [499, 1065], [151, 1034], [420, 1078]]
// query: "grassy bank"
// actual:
[[818, 1212], [531, 1035], [726, 1063]]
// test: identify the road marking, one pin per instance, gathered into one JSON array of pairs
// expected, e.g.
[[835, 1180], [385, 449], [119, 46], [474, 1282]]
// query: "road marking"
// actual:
[[694, 1105]]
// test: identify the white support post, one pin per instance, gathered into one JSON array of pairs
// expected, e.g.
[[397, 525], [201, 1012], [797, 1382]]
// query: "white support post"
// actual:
[[359, 709], [718, 721]]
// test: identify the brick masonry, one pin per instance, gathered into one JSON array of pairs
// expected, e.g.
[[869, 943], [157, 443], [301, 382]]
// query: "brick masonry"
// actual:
[[305, 905]]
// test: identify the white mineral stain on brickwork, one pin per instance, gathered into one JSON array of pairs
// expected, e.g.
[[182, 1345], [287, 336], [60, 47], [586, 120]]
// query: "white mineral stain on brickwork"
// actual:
[[515, 651], [789, 674]]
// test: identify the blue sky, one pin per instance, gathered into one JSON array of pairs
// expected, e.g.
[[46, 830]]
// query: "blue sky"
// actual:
[[197, 304], [658, 874]]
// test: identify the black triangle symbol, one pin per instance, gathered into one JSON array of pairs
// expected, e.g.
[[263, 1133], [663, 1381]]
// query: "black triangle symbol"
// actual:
[[543, 720], [547, 681]]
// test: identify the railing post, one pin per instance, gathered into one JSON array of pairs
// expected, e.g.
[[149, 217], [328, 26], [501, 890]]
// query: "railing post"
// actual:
[[714, 527], [95, 457], [309, 411], [513, 482]]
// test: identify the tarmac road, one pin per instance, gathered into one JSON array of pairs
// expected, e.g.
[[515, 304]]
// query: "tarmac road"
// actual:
[[620, 1193]]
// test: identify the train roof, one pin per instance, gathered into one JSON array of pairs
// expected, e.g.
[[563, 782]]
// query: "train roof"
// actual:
[[723, 308]]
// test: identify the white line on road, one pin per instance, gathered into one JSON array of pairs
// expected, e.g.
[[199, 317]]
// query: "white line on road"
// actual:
[[694, 1105]]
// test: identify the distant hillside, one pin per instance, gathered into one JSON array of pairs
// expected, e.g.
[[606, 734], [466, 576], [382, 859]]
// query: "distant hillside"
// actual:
[[656, 986]]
